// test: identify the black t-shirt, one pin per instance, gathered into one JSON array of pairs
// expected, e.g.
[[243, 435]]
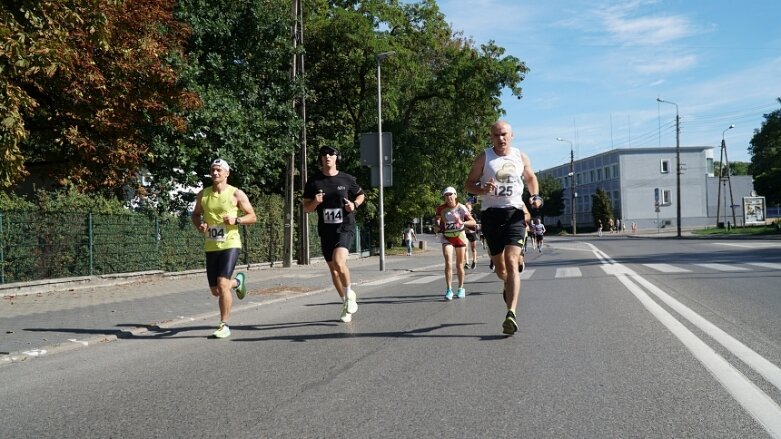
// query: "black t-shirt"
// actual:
[[331, 215]]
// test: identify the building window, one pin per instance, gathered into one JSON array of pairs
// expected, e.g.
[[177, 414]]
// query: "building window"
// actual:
[[615, 171], [666, 197], [607, 173], [664, 166], [599, 174], [593, 176]]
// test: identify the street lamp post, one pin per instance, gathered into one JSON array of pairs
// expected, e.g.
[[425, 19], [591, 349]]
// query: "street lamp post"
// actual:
[[677, 164], [380, 58], [573, 218]]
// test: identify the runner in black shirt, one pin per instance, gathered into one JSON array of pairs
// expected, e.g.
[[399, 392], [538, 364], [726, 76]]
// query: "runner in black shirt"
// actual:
[[335, 195]]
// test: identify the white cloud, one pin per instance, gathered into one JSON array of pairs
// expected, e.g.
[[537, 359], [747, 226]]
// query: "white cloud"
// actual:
[[646, 30]]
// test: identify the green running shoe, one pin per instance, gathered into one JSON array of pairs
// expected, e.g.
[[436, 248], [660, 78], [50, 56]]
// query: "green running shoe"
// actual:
[[241, 288], [510, 325]]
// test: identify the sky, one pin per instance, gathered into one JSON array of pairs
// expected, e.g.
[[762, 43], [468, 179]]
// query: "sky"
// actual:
[[597, 68]]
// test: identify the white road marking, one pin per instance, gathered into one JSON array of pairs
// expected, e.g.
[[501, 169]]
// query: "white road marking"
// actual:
[[425, 279], [771, 265], [527, 273], [667, 268], [476, 276], [568, 272], [35, 352], [723, 267], [746, 393], [81, 342], [387, 280], [757, 403], [753, 244]]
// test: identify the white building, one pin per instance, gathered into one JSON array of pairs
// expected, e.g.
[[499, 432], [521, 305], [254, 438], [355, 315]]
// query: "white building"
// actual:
[[641, 185]]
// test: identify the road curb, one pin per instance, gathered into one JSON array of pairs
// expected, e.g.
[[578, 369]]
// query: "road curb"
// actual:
[[284, 295]]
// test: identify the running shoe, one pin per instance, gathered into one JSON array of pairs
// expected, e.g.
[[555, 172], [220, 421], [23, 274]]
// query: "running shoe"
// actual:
[[352, 301], [491, 265], [461, 293], [521, 266], [473, 264], [222, 331], [241, 288], [510, 325], [466, 266], [449, 294], [346, 317]]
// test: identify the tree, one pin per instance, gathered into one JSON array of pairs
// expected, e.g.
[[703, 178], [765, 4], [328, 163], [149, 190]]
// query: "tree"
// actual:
[[601, 207], [553, 195], [238, 61], [92, 109], [440, 94], [735, 168], [765, 153]]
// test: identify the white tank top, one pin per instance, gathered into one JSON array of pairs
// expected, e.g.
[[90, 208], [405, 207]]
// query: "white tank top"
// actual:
[[507, 171]]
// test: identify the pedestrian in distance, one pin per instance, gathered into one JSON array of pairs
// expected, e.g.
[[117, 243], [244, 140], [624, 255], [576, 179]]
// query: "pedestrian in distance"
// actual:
[[539, 233], [219, 211], [335, 195], [452, 219], [498, 174], [408, 236], [599, 228]]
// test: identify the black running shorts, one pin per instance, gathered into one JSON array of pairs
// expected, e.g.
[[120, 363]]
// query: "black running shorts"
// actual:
[[330, 241], [503, 227], [221, 263]]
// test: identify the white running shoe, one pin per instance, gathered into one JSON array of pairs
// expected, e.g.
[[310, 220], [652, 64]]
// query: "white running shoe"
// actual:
[[352, 301], [346, 317], [222, 331]]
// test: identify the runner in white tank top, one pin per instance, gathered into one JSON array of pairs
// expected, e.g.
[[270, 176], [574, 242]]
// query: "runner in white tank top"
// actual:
[[498, 174]]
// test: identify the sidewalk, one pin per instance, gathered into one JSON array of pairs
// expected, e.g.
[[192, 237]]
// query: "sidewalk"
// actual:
[[73, 315]]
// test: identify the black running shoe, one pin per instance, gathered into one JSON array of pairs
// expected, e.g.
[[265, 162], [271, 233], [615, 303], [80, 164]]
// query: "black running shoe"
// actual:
[[510, 325]]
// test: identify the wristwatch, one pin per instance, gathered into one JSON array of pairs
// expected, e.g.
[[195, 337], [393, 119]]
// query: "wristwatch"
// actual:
[[238, 221]]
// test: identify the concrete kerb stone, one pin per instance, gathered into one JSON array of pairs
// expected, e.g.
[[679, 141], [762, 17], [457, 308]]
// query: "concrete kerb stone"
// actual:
[[22, 356]]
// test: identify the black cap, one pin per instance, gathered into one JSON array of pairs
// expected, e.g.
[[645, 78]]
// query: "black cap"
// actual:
[[328, 150]]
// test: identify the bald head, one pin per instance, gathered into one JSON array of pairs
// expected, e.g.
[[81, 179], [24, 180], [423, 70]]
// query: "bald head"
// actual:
[[501, 135]]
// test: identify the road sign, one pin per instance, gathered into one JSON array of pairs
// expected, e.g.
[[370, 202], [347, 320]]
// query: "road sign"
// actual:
[[370, 149]]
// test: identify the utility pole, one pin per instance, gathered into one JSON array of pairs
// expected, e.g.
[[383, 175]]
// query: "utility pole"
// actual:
[[303, 219], [724, 166], [380, 58], [677, 164], [573, 218], [289, 211]]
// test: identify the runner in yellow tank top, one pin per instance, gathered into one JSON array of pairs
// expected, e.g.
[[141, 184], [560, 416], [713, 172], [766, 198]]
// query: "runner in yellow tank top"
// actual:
[[216, 216]]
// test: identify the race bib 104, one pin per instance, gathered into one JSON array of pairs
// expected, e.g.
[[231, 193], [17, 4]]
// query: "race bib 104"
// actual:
[[216, 233]]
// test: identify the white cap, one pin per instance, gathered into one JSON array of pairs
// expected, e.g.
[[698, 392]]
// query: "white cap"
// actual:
[[449, 190], [221, 163]]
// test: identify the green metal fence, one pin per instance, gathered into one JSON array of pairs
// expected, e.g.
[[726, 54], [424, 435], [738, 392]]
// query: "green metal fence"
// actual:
[[37, 246]]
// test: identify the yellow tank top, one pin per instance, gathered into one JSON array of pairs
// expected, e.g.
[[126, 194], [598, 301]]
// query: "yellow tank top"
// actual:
[[220, 236]]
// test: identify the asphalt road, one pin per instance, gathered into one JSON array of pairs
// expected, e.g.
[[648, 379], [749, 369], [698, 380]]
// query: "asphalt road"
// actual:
[[618, 337]]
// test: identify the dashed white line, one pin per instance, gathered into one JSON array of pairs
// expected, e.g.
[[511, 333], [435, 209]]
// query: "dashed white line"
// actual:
[[723, 267], [568, 272], [667, 268]]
